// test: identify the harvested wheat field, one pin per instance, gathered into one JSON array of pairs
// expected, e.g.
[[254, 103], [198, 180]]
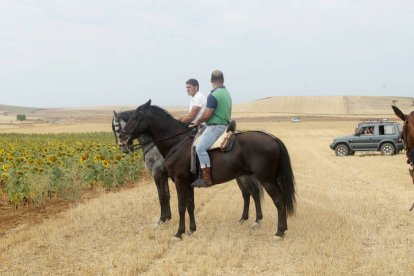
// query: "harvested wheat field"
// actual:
[[352, 217]]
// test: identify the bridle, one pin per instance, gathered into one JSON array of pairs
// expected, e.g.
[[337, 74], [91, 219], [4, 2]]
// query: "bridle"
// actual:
[[404, 137], [408, 152]]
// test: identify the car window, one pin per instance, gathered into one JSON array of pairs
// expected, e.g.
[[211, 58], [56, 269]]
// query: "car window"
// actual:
[[368, 130], [386, 130]]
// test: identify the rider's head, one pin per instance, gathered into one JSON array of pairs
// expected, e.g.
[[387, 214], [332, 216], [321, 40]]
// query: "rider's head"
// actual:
[[217, 78], [192, 87]]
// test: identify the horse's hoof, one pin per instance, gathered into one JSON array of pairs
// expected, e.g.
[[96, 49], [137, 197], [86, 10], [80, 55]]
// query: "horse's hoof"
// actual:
[[242, 221], [190, 233], [177, 239], [277, 238], [159, 223], [256, 224]]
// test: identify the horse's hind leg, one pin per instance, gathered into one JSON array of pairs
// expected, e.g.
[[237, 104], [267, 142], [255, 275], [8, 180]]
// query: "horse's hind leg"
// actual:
[[246, 198], [254, 188], [276, 194], [249, 187]]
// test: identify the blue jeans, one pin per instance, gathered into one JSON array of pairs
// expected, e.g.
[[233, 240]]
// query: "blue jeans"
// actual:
[[207, 139]]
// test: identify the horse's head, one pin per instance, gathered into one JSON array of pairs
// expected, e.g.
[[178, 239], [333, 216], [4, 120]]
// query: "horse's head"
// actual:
[[408, 137], [118, 124], [136, 125]]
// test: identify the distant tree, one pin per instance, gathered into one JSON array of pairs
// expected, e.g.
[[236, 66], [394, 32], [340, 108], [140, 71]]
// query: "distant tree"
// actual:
[[21, 117]]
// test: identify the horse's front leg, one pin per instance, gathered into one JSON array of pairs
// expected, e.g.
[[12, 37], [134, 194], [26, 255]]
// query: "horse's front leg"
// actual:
[[190, 209], [182, 194], [161, 180]]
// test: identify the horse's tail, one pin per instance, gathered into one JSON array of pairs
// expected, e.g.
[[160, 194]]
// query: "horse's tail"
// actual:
[[285, 178]]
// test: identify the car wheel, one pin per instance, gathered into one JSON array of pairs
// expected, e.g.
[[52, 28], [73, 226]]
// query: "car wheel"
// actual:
[[351, 153], [387, 149], [341, 150]]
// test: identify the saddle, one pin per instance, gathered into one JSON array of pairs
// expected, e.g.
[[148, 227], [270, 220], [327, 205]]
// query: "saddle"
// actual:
[[224, 143]]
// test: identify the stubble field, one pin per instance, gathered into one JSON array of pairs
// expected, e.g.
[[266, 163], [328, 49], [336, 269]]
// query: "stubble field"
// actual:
[[352, 217]]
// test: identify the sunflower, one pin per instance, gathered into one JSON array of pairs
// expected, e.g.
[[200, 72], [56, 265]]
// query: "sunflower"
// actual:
[[4, 176], [105, 163], [82, 159], [52, 158]]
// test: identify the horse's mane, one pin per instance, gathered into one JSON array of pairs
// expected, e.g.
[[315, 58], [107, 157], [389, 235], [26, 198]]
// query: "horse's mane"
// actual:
[[125, 115], [161, 111]]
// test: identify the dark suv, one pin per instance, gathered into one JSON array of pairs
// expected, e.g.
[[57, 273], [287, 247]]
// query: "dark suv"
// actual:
[[378, 135]]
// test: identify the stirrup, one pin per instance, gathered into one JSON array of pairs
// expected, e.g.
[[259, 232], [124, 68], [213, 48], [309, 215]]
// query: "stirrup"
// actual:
[[199, 183]]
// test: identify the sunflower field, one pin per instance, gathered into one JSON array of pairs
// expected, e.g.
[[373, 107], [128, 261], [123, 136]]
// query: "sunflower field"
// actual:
[[36, 166]]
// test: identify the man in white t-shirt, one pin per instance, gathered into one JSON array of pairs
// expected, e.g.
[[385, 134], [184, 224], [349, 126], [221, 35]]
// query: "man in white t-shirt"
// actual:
[[197, 104]]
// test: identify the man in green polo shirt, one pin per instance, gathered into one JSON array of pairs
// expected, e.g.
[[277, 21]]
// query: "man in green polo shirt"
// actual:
[[217, 116]]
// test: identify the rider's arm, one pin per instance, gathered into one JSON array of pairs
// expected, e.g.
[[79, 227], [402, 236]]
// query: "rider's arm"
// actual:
[[208, 112], [190, 117]]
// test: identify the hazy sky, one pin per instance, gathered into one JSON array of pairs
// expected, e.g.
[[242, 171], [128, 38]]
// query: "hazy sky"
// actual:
[[89, 53]]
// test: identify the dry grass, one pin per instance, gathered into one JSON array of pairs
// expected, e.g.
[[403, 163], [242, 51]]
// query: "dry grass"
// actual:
[[326, 105], [352, 218]]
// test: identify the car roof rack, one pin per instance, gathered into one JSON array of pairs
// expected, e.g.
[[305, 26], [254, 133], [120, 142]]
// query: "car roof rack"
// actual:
[[374, 120]]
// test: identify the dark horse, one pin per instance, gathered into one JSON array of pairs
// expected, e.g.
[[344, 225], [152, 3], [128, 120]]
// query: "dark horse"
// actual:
[[154, 163], [253, 153], [407, 136]]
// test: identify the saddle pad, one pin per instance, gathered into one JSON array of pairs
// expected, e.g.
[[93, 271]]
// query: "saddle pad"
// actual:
[[216, 144]]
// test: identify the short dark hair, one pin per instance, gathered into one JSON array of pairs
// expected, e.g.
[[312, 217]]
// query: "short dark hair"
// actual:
[[217, 76], [193, 82]]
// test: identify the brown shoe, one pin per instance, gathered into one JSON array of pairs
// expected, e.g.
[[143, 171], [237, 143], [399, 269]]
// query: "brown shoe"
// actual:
[[205, 182], [207, 176]]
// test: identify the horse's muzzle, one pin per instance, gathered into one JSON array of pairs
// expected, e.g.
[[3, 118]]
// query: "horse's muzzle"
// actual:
[[124, 138], [124, 148]]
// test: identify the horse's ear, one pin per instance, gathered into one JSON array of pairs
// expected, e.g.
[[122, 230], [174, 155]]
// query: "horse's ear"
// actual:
[[147, 104], [115, 114], [399, 113], [144, 106]]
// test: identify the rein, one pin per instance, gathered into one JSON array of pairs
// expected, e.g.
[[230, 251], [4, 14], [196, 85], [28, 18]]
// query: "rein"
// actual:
[[142, 145], [176, 147]]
